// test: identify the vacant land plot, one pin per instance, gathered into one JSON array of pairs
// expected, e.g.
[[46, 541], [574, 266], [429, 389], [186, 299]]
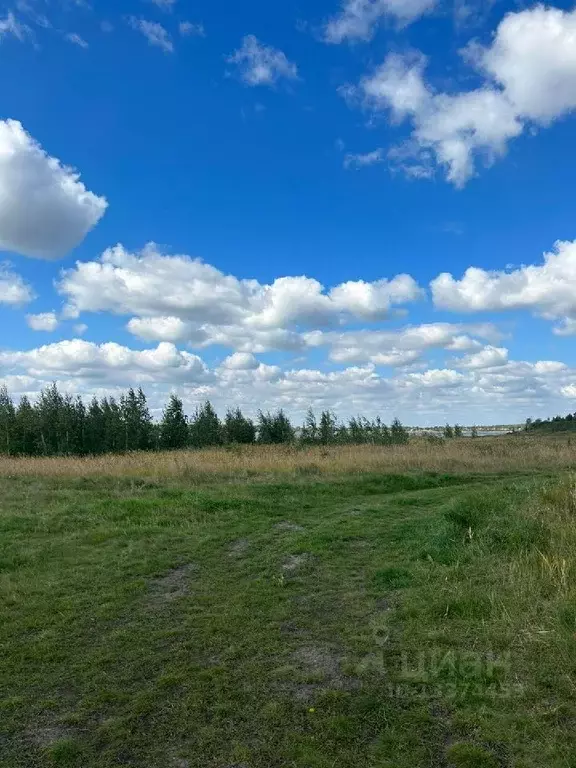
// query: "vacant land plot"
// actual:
[[514, 453], [374, 620]]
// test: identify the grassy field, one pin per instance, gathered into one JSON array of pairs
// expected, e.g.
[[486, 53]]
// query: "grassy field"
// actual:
[[514, 453], [306, 619]]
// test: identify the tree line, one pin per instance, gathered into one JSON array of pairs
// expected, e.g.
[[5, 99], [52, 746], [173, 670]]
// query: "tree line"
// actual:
[[555, 424], [58, 424]]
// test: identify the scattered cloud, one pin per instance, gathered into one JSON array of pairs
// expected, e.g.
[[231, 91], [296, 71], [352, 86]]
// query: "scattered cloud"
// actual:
[[402, 346], [452, 228], [13, 288], [165, 5], [153, 32], [33, 15], [260, 64], [489, 357], [358, 19], [569, 391], [357, 162], [80, 329], [549, 366], [45, 321], [434, 378], [72, 37], [529, 79], [241, 361], [189, 29], [45, 210], [547, 289], [11, 27]]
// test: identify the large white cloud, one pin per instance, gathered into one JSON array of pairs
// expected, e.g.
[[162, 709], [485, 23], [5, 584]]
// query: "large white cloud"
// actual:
[[529, 75], [120, 364], [260, 64], [176, 298], [358, 19], [45, 210], [548, 289], [14, 289], [533, 59]]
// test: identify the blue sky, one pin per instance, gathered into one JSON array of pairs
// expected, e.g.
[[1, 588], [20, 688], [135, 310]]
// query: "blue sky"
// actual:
[[346, 143]]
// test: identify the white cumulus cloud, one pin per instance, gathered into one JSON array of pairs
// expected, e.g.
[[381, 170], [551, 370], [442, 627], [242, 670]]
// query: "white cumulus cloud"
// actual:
[[489, 357], [548, 289], [14, 290], [119, 364], [259, 64], [358, 19], [45, 210], [45, 321], [177, 298], [529, 78], [241, 361], [505, 393], [400, 347]]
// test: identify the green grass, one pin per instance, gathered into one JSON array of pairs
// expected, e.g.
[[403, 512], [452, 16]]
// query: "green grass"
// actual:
[[374, 621]]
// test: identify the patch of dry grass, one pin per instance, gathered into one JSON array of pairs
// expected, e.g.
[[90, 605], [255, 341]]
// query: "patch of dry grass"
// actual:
[[487, 455]]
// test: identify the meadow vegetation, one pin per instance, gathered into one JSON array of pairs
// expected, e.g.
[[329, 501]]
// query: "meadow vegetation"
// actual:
[[260, 462], [269, 607]]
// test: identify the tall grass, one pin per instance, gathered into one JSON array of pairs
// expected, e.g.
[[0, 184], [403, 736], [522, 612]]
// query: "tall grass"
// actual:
[[489, 455]]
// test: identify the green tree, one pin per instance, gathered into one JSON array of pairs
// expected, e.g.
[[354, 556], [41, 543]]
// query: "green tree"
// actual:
[[448, 432], [474, 432], [342, 437], [26, 428], [7, 422], [458, 431], [385, 435], [274, 429], [51, 421], [145, 429], [238, 429], [95, 442], [205, 427], [114, 438], [356, 431], [136, 421], [327, 429], [398, 433], [174, 425], [75, 417], [309, 434]]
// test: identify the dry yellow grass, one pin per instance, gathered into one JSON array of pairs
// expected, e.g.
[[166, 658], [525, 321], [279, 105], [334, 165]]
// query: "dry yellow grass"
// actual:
[[504, 454]]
